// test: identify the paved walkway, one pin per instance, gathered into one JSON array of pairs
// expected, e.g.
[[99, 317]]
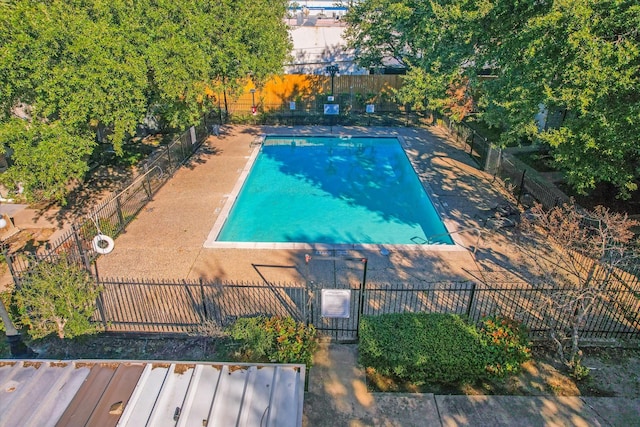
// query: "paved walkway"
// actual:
[[338, 397]]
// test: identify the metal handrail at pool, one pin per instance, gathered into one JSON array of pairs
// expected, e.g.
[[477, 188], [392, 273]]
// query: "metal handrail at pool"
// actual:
[[430, 240]]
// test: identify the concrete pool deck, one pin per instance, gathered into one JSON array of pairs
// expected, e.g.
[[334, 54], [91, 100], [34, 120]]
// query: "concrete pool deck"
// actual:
[[166, 240]]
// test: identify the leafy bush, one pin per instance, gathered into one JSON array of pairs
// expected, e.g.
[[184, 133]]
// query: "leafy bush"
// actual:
[[420, 347], [57, 297], [577, 370], [274, 339], [441, 348], [507, 343]]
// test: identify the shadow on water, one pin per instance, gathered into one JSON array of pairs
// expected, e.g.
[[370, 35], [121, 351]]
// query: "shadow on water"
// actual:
[[363, 173]]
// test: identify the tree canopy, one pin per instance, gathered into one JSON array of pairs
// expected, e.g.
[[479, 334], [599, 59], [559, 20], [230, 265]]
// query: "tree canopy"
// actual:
[[577, 59], [78, 66]]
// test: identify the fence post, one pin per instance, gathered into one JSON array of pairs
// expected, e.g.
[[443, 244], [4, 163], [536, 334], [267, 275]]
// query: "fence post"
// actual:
[[521, 185], [471, 299], [169, 156], [310, 295], [204, 304], [81, 251], [363, 286], [119, 212], [473, 139], [100, 303], [147, 189], [9, 259]]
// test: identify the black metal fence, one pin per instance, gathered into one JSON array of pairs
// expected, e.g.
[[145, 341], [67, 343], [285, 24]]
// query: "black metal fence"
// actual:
[[111, 217], [200, 307], [524, 180], [311, 112], [516, 175], [194, 307]]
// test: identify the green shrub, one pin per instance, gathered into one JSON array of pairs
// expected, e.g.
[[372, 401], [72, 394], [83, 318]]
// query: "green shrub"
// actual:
[[578, 371], [420, 347], [5, 296], [507, 343], [57, 297], [442, 348], [273, 339]]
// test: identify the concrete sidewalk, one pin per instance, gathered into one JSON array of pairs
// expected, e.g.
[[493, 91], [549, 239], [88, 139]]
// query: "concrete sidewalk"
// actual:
[[338, 396]]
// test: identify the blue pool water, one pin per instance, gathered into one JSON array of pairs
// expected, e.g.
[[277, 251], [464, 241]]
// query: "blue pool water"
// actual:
[[336, 191]]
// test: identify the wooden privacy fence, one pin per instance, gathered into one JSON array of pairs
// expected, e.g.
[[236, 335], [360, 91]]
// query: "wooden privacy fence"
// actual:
[[294, 100], [200, 307], [305, 89]]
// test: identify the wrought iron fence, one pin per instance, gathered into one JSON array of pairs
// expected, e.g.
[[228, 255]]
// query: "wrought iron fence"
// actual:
[[523, 180], [516, 175], [200, 307], [111, 217], [194, 307]]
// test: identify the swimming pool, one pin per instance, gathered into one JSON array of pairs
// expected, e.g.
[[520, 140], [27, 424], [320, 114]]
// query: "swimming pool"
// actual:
[[332, 190]]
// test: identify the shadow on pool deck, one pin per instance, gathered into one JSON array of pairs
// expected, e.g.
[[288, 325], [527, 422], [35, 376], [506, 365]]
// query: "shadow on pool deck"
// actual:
[[166, 239]]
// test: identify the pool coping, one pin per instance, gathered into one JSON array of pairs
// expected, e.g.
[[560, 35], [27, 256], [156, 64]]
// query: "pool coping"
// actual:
[[212, 243]]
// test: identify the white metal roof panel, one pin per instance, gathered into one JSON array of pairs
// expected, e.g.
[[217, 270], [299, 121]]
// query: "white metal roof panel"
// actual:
[[258, 396], [282, 412], [196, 407], [53, 386], [171, 397], [232, 385]]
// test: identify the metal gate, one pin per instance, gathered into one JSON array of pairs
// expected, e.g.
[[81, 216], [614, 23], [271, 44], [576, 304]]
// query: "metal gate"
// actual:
[[336, 306]]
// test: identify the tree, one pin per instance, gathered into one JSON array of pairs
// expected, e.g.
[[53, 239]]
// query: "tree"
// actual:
[[82, 66], [583, 257], [59, 298], [46, 158], [577, 58], [580, 59], [76, 63]]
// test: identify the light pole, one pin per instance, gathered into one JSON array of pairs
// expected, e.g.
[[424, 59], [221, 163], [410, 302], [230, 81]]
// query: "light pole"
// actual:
[[253, 101], [332, 70]]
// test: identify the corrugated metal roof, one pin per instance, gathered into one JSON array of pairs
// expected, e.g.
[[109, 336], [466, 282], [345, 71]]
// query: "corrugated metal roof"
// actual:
[[137, 393]]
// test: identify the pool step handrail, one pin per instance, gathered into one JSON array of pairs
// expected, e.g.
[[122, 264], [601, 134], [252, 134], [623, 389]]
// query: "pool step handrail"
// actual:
[[450, 233], [258, 140]]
